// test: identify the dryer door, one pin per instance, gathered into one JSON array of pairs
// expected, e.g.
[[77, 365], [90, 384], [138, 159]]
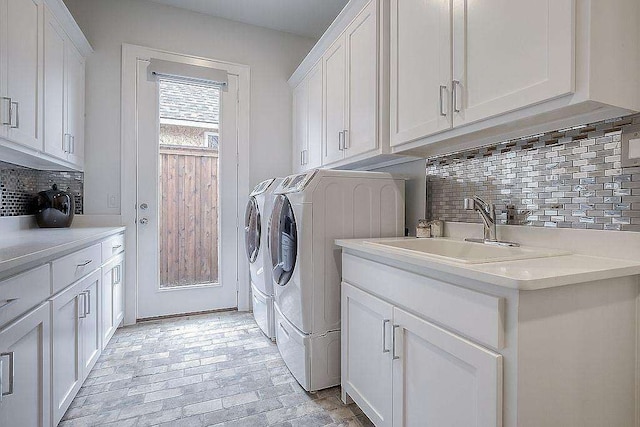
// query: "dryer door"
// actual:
[[252, 229], [283, 240]]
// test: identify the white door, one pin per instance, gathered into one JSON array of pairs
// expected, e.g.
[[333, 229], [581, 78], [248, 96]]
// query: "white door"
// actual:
[[362, 83], [420, 68], [366, 353], [187, 219], [335, 81], [441, 379], [314, 114], [23, 48], [509, 54], [26, 369], [300, 111]]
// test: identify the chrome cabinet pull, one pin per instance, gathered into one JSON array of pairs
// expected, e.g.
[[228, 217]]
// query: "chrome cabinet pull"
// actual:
[[384, 335], [84, 264], [345, 139], [301, 158], [88, 299], [394, 356], [12, 374], [84, 305], [17, 110], [7, 122], [72, 144], [115, 275], [454, 88], [341, 141], [443, 110], [116, 247]]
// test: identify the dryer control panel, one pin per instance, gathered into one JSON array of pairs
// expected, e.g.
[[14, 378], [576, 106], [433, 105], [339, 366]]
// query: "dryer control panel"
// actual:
[[295, 183]]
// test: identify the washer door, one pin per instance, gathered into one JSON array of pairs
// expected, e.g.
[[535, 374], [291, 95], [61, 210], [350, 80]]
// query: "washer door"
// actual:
[[283, 240], [252, 230]]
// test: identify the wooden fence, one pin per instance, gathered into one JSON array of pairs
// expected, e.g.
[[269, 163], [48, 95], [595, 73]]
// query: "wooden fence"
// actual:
[[188, 216]]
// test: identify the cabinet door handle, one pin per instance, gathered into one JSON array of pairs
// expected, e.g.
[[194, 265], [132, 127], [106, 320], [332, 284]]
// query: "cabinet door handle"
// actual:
[[384, 335], [8, 121], [17, 110], [12, 373], [84, 264], [394, 356], [84, 305], [443, 110], [454, 88], [345, 138], [72, 144], [301, 157], [340, 141], [88, 299], [115, 275]]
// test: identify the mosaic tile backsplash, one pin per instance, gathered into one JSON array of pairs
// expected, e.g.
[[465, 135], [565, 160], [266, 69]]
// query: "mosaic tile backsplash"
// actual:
[[570, 178], [19, 185]]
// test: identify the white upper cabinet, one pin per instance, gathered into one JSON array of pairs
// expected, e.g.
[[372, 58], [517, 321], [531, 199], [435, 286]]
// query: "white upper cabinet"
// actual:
[[335, 84], [313, 155], [510, 54], [42, 81], [75, 81], [420, 68], [299, 125], [466, 73], [63, 94], [346, 77], [21, 58], [361, 131], [55, 40]]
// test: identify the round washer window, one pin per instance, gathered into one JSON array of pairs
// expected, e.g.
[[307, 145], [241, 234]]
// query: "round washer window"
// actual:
[[252, 229], [283, 240]]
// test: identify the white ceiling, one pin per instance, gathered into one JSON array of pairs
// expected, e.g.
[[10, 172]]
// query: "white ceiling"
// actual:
[[307, 18]]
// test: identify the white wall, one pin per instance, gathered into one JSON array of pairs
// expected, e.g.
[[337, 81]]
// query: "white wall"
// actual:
[[272, 56]]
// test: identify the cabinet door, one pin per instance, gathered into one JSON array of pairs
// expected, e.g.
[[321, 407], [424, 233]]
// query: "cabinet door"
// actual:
[[420, 69], [26, 371], [54, 87], [90, 324], [75, 105], [23, 50], [314, 131], [366, 353], [112, 302], [509, 54], [335, 76], [68, 310], [362, 82], [441, 379], [300, 105]]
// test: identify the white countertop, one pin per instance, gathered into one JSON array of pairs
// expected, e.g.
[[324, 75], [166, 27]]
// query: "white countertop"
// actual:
[[26, 247], [525, 274]]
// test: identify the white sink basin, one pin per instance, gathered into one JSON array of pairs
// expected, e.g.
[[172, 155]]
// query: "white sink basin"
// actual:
[[464, 252]]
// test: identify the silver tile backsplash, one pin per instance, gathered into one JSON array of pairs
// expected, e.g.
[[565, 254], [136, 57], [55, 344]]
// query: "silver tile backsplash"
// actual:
[[18, 186], [570, 178]]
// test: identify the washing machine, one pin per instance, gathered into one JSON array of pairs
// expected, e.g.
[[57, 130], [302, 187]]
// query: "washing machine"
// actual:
[[310, 212], [256, 242]]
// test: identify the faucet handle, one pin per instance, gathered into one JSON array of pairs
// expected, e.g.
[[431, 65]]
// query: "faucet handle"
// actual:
[[469, 204]]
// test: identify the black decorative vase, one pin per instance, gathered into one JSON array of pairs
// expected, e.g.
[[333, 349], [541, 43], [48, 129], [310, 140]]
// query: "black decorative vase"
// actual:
[[54, 208]]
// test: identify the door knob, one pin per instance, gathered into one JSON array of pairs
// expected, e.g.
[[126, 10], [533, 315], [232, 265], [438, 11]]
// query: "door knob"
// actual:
[[144, 206], [144, 221]]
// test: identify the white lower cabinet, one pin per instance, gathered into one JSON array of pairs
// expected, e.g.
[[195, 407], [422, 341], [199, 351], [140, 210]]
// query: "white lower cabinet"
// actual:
[[112, 297], [76, 339], [441, 379], [366, 353], [25, 370], [405, 371]]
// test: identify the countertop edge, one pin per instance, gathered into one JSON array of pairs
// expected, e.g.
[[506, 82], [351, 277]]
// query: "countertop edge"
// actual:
[[468, 272], [15, 265]]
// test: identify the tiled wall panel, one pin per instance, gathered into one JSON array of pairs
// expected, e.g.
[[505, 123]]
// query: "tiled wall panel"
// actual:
[[571, 178], [19, 185]]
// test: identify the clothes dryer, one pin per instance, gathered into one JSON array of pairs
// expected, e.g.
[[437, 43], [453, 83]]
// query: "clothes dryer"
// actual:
[[256, 242], [310, 212]]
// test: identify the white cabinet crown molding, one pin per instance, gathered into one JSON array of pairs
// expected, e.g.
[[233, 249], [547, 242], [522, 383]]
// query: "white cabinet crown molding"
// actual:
[[64, 17]]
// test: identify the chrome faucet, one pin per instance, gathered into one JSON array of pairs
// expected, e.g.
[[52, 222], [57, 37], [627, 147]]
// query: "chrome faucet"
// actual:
[[487, 213]]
